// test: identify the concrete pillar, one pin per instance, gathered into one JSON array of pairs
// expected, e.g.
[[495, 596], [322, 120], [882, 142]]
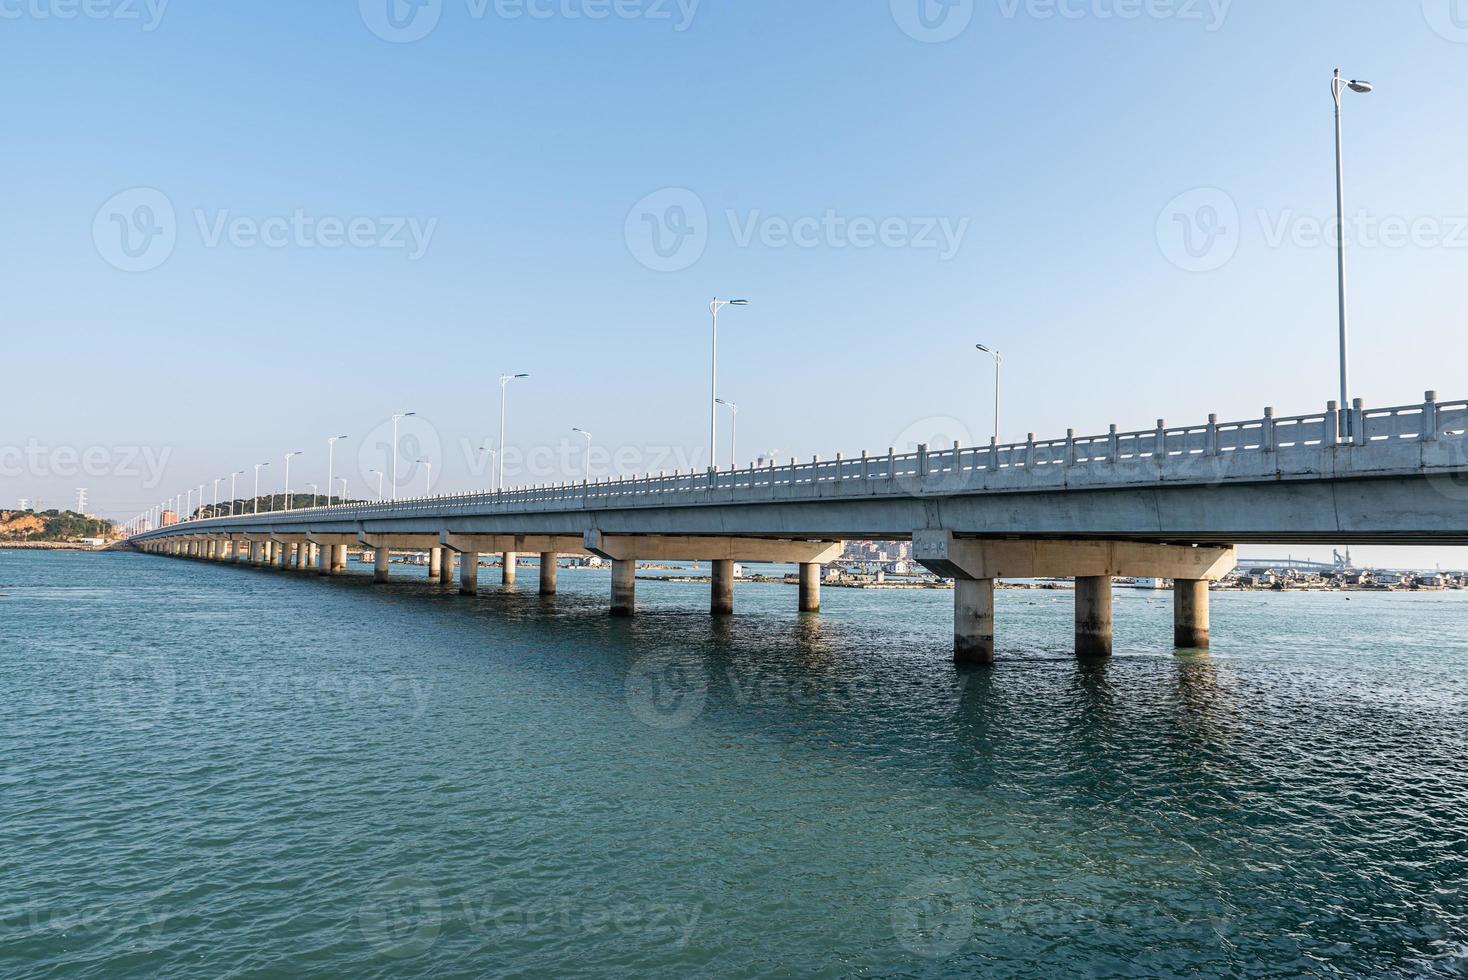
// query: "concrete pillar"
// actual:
[[303, 557], [468, 572], [283, 554], [1190, 614], [721, 594], [257, 553], [338, 559], [624, 588], [810, 587], [379, 564], [323, 559], [973, 621], [446, 567], [508, 561], [433, 563], [549, 567], [1093, 616]]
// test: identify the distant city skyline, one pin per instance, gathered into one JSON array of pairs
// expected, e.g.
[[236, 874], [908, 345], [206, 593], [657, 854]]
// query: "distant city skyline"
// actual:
[[237, 233]]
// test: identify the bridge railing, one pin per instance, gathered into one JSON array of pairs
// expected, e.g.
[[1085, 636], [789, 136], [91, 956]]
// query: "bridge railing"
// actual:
[[1165, 445]]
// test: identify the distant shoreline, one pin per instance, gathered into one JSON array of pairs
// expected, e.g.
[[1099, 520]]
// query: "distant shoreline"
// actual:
[[50, 546]]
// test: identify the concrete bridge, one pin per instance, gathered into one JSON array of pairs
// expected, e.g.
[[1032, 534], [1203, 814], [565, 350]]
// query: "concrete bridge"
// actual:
[[1167, 502]]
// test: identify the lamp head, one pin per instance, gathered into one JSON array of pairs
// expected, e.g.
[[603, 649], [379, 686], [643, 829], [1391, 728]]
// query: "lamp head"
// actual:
[[1360, 86]]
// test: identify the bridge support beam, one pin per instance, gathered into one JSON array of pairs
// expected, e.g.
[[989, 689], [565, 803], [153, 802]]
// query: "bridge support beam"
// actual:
[[446, 567], [1092, 564], [1190, 614], [383, 545], [973, 621], [624, 587], [719, 551], [810, 587], [1093, 616], [435, 562], [721, 591], [550, 564], [508, 561], [333, 549]]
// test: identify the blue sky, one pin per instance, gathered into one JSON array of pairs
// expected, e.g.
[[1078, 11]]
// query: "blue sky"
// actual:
[[886, 197]]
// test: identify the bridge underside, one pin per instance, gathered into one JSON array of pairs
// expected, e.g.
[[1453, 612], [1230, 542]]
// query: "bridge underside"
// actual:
[[1181, 532]]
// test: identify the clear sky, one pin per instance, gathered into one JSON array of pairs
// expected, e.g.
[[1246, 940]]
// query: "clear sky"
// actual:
[[232, 230]]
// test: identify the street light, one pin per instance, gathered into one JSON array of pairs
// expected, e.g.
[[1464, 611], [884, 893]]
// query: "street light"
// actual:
[[214, 508], [330, 453], [189, 503], [313, 493], [231, 489], [733, 432], [588, 452], [998, 360], [427, 476], [714, 307], [395, 418], [344, 490], [505, 380], [288, 477], [379, 482], [1338, 85], [256, 504]]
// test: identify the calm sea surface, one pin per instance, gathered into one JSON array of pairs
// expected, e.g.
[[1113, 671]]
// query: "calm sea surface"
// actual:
[[226, 772]]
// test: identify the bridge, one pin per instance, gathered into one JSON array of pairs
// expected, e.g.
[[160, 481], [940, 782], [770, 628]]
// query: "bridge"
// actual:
[[1167, 502]]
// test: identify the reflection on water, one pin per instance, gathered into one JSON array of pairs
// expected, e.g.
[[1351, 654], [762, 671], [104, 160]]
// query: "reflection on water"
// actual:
[[214, 770]]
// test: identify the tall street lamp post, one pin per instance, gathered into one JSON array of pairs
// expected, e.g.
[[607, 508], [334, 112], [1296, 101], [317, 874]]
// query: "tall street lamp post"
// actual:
[[1338, 86], [586, 477], [998, 360], [256, 505], [330, 456], [505, 380], [288, 457], [395, 420], [714, 307]]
